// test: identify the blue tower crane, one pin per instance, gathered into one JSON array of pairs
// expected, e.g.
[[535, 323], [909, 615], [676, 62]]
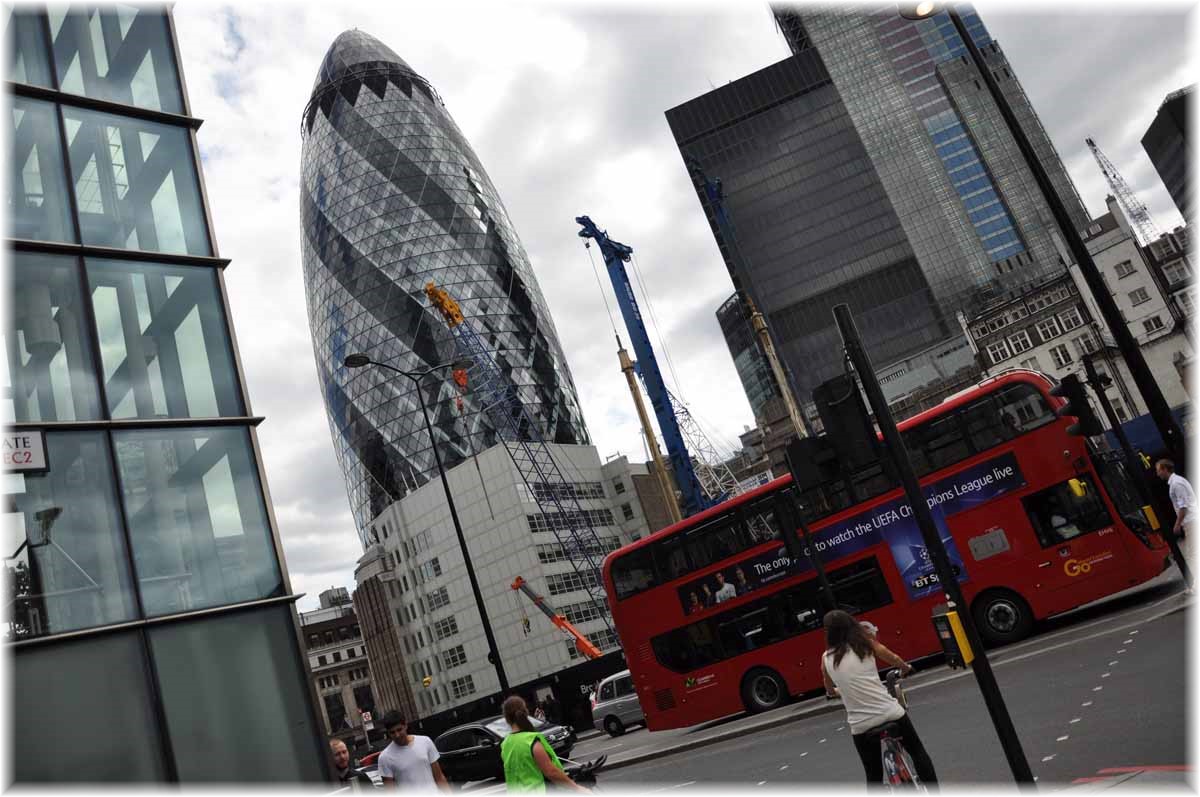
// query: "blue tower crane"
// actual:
[[693, 497]]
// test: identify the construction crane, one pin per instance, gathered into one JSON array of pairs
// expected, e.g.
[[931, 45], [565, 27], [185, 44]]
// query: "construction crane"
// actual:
[[582, 644], [715, 194], [695, 497], [656, 457], [1135, 210], [522, 437]]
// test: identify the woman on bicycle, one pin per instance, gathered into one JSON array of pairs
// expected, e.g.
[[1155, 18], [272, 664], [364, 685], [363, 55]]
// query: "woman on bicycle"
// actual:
[[850, 669], [529, 760]]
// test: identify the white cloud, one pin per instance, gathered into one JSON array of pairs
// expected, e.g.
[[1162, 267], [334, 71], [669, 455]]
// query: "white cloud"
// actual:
[[564, 105]]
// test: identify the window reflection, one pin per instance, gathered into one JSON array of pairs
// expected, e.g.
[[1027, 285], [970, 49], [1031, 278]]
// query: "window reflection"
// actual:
[[196, 518], [163, 341], [50, 373], [135, 184], [120, 53], [64, 551], [37, 196], [27, 59]]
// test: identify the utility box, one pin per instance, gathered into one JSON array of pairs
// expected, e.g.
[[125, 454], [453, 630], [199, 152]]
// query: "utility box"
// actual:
[[953, 638]]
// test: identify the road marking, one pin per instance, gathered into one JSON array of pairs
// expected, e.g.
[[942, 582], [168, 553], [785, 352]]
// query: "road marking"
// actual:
[[1112, 664], [1047, 758], [1085, 705], [1122, 650], [785, 766], [1097, 689], [1062, 738], [803, 754], [676, 786], [1127, 642], [1105, 675], [1134, 631], [821, 742], [761, 782], [840, 727], [1077, 719]]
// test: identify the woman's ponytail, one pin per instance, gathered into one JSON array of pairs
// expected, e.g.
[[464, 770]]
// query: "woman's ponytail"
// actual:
[[516, 713]]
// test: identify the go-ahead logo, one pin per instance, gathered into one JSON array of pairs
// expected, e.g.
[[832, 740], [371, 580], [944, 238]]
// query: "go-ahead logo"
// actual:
[[1075, 567]]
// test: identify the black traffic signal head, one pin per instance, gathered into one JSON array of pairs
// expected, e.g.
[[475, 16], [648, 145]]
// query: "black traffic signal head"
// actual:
[[1077, 406]]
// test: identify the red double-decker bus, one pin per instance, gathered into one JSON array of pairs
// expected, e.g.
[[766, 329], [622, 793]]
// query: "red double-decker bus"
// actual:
[[716, 618]]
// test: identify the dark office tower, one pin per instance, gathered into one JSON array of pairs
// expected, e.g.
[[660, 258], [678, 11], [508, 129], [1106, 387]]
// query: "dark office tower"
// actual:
[[393, 197], [965, 210], [1166, 142], [749, 360], [148, 616]]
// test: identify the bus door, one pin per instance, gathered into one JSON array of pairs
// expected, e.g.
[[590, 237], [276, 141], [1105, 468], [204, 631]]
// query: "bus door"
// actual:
[[1083, 554]]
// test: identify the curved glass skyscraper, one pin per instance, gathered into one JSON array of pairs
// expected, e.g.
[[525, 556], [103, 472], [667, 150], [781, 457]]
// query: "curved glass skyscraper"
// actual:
[[392, 197]]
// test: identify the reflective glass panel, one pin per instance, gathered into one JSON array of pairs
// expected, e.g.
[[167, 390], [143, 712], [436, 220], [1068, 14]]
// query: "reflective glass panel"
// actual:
[[50, 374], [236, 671], [38, 208], [27, 59], [65, 552], [135, 184], [97, 689], [163, 341], [196, 518], [119, 53]]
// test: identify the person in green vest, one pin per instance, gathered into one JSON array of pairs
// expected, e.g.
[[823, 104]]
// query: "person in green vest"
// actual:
[[529, 760]]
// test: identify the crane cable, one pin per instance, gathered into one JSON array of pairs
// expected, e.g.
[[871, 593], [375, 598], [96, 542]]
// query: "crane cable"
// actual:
[[600, 285], [662, 344]]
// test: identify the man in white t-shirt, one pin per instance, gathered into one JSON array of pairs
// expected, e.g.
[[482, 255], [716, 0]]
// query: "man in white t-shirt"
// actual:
[[725, 591], [409, 762], [1183, 499]]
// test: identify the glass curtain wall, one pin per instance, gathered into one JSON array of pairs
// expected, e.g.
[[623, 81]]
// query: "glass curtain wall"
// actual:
[[147, 537]]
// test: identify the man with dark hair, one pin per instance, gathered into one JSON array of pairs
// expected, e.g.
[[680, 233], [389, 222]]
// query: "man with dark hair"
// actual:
[[409, 761]]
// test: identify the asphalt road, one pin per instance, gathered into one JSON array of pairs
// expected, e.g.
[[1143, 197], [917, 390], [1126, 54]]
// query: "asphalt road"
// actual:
[[1115, 698]]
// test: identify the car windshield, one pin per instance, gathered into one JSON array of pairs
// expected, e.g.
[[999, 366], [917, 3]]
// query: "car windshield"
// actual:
[[499, 726]]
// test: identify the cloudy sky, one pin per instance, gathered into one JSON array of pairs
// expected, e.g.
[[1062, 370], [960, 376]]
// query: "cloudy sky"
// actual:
[[564, 105]]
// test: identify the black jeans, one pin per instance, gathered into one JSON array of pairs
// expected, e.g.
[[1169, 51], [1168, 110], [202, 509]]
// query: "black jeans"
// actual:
[[869, 750]]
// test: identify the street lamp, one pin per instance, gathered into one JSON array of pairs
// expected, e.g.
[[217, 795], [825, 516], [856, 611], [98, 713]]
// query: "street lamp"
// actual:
[[359, 360], [1152, 395]]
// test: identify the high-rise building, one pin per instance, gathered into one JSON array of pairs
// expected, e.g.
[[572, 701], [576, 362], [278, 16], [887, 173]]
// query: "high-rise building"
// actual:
[[1166, 142], [872, 168], [337, 666], [148, 617], [749, 360], [393, 197]]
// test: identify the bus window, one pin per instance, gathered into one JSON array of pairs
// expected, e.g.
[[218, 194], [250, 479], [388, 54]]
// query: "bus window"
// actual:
[[860, 587], [988, 425], [940, 442], [633, 573], [712, 543], [761, 521], [1123, 494], [1025, 406], [1059, 515], [670, 558]]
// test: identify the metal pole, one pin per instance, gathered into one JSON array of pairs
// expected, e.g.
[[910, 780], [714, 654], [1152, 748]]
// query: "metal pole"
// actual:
[[1171, 435], [1134, 465], [933, 543], [493, 652]]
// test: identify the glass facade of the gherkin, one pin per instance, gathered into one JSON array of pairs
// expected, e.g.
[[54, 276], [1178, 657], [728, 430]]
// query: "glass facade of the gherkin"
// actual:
[[392, 197]]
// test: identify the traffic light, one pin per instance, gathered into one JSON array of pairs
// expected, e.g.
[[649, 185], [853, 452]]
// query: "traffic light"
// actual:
[[1077, 406]]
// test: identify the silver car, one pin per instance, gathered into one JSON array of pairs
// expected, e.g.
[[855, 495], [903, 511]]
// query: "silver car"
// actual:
[[616, 705]]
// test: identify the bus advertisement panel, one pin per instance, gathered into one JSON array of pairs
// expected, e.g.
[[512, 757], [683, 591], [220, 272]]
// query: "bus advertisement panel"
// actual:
[[891, 522]]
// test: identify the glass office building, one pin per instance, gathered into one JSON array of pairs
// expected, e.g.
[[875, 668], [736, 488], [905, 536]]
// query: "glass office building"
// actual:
[[749, 359], [1167, 144], [953, 213], [393, 197], [148, 617]]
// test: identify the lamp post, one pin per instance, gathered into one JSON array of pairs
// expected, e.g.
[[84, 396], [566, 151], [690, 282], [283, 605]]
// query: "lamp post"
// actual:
[[1152, 395], [360, 360]]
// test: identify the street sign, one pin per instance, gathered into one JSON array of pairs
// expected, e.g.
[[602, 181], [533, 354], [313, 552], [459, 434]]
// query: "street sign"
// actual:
[[24, 452]]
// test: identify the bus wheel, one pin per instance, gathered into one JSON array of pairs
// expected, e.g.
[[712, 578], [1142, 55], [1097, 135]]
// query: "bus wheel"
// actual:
[[763, 690], [1002, 617]]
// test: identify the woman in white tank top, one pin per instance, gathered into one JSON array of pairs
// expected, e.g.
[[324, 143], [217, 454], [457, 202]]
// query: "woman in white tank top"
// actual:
[[850, 669]]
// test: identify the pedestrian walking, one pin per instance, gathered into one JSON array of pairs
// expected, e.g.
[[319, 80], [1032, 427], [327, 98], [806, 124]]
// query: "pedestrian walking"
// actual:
[[849, 668], [1183, 501], [540, 712], [529, 760], [346, 774], [409, 761]]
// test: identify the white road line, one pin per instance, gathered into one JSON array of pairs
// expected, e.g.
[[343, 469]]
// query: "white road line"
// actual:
[[803, 754], [676, 786], [761, 782], [1085, 705], [785, 766], [1112, 664], [1046, 758], [1077, 719], [821, 742], [1097, 688], [1122, 650], [1127, 642], [1134, 631], [1062, 738], [1105, 675]]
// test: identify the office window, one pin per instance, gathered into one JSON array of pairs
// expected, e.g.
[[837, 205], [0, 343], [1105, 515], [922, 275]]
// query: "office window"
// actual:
[[1049, 329], [135, 184], [999, 351], [1070, 319], [627, 511], [163, 341], [445, 628], [1020, 342], [618, 486], [461, 687], [1124, 269], [197, 523], [1176, 272], [51, 375], [432, 568], [119, 53], [1084, 344], [1032, 364], [454, 657], [28, 61], [438, 599], [1184, 300], [322, 661], [70, 571], [351, 653], [75, 683], [38, 208], [1061, 356], [212, 672], [1140, 296], [1153, 324]]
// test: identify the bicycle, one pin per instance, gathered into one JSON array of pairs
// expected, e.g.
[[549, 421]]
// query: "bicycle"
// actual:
[[898, 768], [584, 774]]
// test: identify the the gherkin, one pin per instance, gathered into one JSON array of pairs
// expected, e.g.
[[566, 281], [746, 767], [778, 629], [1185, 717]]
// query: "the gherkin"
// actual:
[[392, 196]]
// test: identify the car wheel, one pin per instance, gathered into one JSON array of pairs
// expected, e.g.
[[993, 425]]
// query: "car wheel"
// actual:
[[762, 690], [1002, 617], [614, 726]]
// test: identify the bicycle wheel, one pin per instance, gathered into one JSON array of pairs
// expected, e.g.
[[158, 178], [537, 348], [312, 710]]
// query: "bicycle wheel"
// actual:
[[898, 768]]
